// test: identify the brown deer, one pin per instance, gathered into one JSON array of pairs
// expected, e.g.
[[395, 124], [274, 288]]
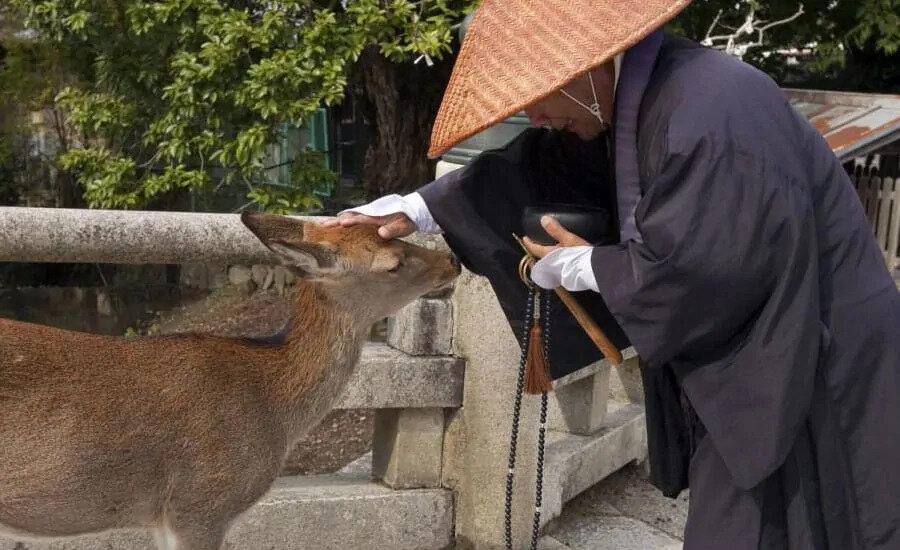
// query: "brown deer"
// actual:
[[181, 434]]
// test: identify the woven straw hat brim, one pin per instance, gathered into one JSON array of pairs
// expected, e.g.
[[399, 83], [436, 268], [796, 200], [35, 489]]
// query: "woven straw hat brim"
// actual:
[[517, 52]]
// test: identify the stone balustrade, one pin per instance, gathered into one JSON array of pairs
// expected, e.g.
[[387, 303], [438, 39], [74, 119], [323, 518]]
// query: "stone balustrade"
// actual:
[[442, 388]]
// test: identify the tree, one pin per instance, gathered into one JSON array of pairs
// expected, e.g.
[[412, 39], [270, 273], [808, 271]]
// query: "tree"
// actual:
[[837, 44], [152, 98], [187, 94], [30, 76], [402, 100]]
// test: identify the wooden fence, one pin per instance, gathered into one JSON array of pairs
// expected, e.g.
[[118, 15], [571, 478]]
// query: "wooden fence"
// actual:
[[877, 183]]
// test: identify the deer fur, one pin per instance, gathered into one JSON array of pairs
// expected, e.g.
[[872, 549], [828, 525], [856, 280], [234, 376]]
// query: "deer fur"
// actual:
[[183, 433]]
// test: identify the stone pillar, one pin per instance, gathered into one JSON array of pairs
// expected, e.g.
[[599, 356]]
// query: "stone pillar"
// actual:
[[423, 327], [407, 447], [626, 385], [580, 407], [484, 339]]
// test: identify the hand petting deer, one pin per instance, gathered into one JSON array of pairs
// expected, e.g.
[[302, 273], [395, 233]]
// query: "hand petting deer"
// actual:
[[180, 434]]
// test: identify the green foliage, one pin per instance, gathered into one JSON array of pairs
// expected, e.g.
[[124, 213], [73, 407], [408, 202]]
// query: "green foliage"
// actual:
[[29, 78], [310, 179], [109, 180], [878, 22], [181, 94], [154, 98]]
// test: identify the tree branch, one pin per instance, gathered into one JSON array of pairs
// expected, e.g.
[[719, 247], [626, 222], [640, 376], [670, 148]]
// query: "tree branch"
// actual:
[[712, 26], [751, 25]]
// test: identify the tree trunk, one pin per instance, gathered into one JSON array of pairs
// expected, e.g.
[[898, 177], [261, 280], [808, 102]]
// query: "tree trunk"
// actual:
[[402, 100]]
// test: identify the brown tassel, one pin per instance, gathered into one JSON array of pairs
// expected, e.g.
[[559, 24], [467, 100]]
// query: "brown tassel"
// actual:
[[537, 372]]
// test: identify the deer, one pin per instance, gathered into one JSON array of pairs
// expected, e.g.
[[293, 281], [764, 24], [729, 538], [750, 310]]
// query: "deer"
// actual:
[[180, 434]]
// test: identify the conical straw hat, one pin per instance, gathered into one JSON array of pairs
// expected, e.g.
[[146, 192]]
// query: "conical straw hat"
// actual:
[[518, 51]]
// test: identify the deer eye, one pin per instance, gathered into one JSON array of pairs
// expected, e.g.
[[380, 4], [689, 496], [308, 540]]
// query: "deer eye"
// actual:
[[397, 267], [386, 262]]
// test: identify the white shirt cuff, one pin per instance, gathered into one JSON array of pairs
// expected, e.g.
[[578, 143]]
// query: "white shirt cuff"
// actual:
[[569, 267], [422, 216], [413, 205]]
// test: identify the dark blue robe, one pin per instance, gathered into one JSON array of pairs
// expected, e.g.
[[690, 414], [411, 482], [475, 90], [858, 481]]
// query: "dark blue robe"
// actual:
[[756, 284]]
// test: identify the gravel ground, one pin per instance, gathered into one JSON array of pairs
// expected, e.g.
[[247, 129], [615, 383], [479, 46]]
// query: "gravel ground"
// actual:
[[622, 512], [343, 435], [629, 493]]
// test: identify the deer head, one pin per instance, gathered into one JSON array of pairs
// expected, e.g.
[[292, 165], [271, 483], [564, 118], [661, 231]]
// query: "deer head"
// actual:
[[370, 276]]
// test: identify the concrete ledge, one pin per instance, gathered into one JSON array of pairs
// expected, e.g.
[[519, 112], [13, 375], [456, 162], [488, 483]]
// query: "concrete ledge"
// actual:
[[322, 512], [135, 237], [627, 354], [390, 379], [575, 462]]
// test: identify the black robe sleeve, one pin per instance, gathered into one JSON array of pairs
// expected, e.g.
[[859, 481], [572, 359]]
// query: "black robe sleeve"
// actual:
[[479, 207], [723, 290]]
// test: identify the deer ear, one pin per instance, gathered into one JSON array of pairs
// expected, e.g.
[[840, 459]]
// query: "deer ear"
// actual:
[[313, 259], [286, 237]]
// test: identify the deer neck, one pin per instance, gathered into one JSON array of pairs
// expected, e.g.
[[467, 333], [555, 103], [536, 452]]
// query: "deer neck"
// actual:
[[322, 348]]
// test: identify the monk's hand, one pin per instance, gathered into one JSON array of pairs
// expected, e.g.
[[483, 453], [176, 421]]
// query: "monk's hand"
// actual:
[[395, 216], [566, 264], [390, 226], [564, 238]]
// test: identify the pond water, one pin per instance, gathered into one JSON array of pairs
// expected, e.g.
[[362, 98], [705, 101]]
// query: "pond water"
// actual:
[[101, 310]]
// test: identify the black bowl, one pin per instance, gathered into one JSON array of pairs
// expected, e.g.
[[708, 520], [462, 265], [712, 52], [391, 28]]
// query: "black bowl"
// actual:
[[591, 223]]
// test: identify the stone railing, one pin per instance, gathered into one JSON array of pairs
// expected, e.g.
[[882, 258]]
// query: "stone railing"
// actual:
[[442, 388]]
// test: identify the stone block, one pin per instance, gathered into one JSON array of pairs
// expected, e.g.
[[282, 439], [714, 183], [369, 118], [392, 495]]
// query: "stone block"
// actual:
[[241, 277], [387, 378], [280, 278], [194, 276], [204, 276], [259, 273], [270, 278], [321, 512], [423, 327], [341, 516], [580, 407], [625, 383], [407, 447], [239, 274], [217, 276]]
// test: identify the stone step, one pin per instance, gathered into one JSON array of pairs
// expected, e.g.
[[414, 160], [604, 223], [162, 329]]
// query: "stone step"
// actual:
[[574, 463], [387, 378], [622, 512], [334, 512], [608, 533]]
